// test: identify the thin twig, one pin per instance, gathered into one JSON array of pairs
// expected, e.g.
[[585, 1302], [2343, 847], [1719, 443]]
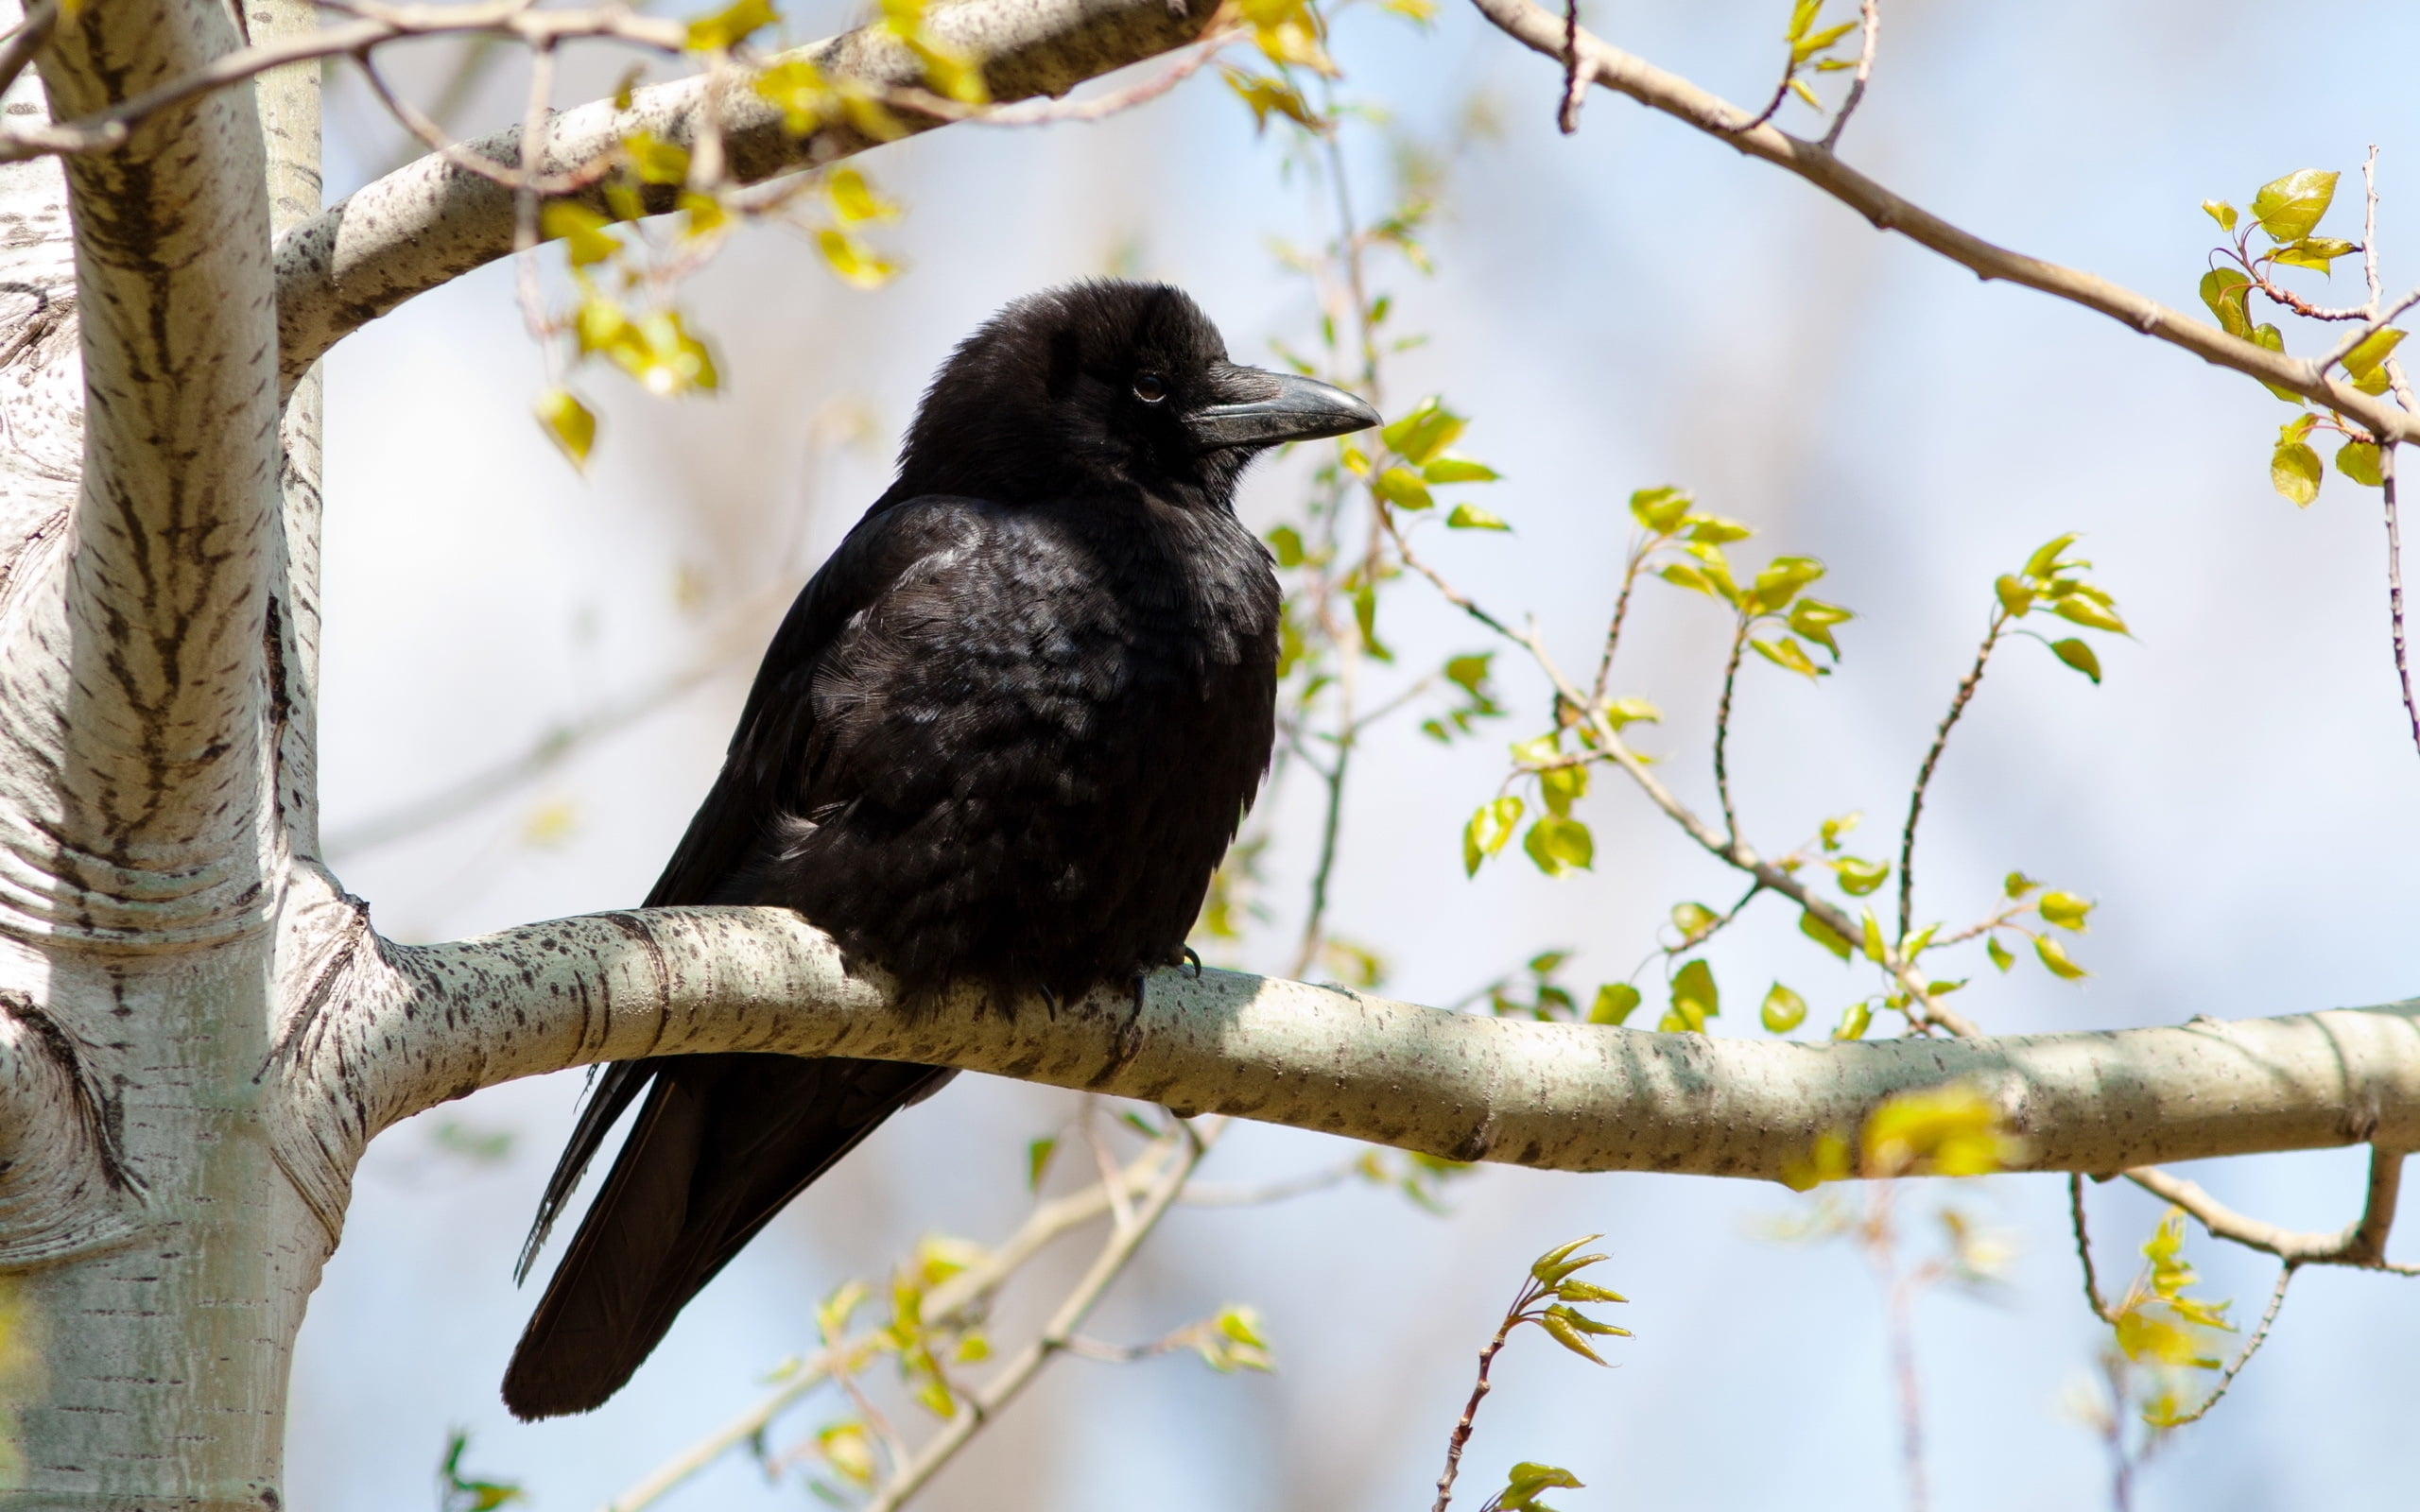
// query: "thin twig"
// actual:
[[953, 1298], [1870, 18], [1614, 626], [2243, 1357], [1899, 1294], [2394, 588], [1722, 736], [2361, 1243], [1462, 1433], [977, 1409], [1932, 759], [1542, 31], [1575, 87], [28, 39], [2084, 1249]]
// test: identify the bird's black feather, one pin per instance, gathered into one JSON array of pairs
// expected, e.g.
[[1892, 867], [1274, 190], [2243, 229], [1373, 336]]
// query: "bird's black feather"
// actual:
[[1003, 737]]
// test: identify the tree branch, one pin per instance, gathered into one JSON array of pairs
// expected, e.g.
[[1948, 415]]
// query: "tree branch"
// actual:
[[433, 220], [2363, 1244], [401, 1028], [1675, 96]]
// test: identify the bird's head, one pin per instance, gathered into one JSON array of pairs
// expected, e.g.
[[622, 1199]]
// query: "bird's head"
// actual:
[[1107, 387]]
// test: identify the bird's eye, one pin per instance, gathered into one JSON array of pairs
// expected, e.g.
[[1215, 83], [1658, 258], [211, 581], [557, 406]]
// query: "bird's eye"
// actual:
[[1150, 387]]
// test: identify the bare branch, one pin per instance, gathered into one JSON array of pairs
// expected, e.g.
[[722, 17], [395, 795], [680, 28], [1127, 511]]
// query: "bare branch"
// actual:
[[2349, 1246], [1870, 25], [2084, 1249], [1677, 97], [433, 220], [1958, 702], [2243, 1356]]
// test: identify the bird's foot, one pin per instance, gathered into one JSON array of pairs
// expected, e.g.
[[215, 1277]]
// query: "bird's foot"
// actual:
[[1193, 958]]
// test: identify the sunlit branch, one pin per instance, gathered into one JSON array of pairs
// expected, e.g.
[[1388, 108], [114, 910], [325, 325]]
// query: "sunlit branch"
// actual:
[[1958, 702], [1812, 161], [2360, 1245]]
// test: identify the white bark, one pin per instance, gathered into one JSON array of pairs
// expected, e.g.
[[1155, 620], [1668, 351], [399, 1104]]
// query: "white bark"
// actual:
[[200, 1032], [430, 222]]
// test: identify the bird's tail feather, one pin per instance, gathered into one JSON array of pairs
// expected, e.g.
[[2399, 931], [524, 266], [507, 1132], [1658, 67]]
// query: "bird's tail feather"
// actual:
[[721, 1144]]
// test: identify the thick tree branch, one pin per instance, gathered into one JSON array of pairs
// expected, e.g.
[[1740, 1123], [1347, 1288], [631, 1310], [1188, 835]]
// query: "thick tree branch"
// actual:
[[1675, 96], [432, 220], [399, 1030], [133, 739]]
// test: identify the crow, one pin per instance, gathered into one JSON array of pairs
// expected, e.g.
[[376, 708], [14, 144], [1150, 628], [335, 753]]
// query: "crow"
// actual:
[[1002, 739]]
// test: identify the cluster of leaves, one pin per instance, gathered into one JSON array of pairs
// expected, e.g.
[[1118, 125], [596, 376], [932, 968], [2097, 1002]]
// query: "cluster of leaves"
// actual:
[[623, 273], [1952, 1130], [1551, 1298], [2162, 1329], [2285, 213], [1292, 35], [458, 1490], [1814, 49]]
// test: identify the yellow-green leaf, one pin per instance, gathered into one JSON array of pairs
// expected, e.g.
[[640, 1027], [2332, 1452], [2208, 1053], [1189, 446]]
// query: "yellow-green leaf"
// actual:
[[1489, 829], [1855, 1020], [2366, 363], [853, 260], [1823, 934], [1786, 652], [2313, 252], [727, 28], [2014, 595], [2220, 211], [1421, 435], [1559, 845], [2083, 610], [1783, 1010], [2288, 207], [1814, 619], [2054, 955], [2064, 909], [2226, 290], [569, 424], [1451, 469], [1615, 1001], [1858, 877], [1560, 787], [2294, 471], [2359, 461], [1660, 510], [580, 230], [2078, 655], [1401, 488], [1466, 517], [654, 160], [1695, 997]]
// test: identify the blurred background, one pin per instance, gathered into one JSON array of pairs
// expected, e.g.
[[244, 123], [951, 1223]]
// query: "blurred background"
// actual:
[[1634, 305]]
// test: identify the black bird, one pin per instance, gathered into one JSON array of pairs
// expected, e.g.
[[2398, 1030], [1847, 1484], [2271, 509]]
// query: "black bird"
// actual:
[[1002, 738]]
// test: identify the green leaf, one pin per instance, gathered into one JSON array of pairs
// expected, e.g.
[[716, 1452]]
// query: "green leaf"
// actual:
[[2078, 655], [2366, 363], [1814, 619], [2045, 559], [729, 27], [2015, 596], [2017, 884], [1998, 952], [1858, 877], [1695, 998], [1660, 510], [1469, 673], [2314, 252], [2294, 471], [1285, 544], [1467, 517], [1615, 1001], [1560, 787], [2220, 211], [1855, 1020], [2227, 291], [1714, 530], [2268, 338], [1429, 429], [1694, 921], [1790, 654], [1807, 46], [2084, 610], [569, 423], [1680, 574], [1452, 468], [1401, 488], [2064, 909], [580, 230], [1559, 1327], [2054, 955], [1037, 1161], [1783, 1010], [1871, 928], [1802, 15], [1781, 577], [1822, 934], [2359, 461], [2288, 207], [1489, 829], [1559, 845]]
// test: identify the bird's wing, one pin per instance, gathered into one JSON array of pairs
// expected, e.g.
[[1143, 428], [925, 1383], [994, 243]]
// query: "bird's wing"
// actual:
[[823, 1107]]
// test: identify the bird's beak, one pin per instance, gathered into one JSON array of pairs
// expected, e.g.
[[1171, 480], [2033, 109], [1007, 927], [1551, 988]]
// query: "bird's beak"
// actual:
[[1273, 408]]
